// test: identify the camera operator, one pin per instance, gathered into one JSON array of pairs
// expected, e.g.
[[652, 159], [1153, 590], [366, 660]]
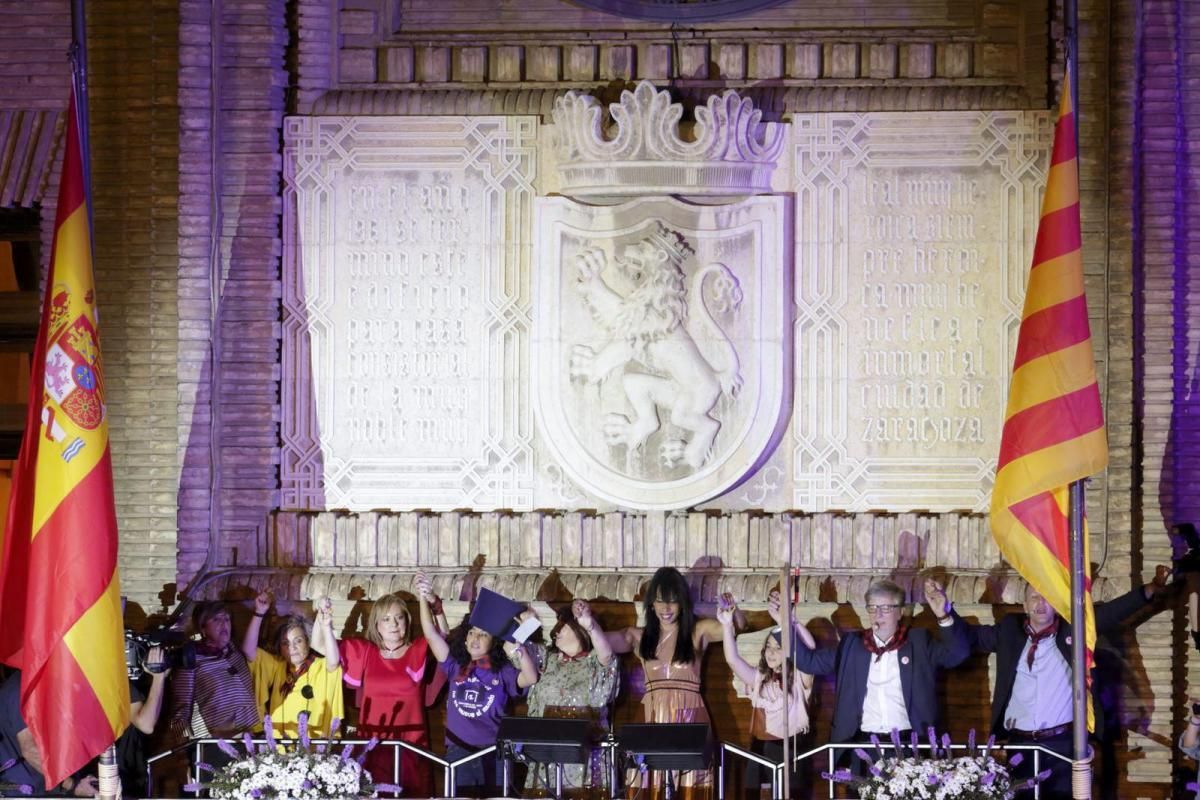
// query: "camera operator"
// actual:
[[143, 716], [216, 697], [21, 754]]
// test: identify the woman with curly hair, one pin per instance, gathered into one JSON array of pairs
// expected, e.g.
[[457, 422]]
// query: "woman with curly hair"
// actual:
[[670, 646], [481, 682]]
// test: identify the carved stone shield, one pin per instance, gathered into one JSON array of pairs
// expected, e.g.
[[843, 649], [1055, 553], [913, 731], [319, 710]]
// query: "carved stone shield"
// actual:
[[662, 347]]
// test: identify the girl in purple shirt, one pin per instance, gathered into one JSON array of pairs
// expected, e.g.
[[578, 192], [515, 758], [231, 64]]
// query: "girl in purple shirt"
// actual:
[[481, 680]]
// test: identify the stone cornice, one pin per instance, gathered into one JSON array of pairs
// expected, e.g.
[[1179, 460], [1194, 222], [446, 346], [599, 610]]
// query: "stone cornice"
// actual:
[[776, 101]]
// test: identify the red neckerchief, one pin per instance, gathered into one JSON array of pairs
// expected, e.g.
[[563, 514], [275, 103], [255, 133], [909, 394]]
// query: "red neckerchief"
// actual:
[[289, 681], [1034, 638], [203, 648], [479, 663], [895, 643]]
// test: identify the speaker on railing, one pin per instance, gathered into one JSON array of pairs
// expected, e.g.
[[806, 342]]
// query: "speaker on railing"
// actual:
[[668, 745], [547, 740]]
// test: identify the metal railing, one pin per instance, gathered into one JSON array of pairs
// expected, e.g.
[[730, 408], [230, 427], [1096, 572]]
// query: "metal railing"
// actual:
[[450, 768], [449, 780], [833, 751]]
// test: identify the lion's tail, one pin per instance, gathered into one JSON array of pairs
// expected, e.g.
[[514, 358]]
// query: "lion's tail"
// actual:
[[725, 297]]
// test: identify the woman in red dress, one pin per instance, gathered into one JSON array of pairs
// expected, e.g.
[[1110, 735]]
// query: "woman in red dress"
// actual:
[[388, 672]]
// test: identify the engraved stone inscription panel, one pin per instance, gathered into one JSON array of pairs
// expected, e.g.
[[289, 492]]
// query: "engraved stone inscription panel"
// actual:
[[913, 239], [406, 280]]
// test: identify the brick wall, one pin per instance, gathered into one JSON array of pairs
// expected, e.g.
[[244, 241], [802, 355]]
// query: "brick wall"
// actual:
[[133, 68]]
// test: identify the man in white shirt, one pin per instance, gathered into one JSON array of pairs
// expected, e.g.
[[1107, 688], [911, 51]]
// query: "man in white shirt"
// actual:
[[886, 673], [1031, 703]]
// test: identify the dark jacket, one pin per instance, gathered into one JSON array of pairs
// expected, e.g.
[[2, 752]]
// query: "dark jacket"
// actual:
[[919, 657], [1007, 639]]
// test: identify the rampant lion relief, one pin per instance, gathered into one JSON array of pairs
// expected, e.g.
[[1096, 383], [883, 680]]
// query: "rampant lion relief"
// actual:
[[661, 342], [661, 348]]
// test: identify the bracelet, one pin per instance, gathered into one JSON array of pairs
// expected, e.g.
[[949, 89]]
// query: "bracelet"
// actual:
[[260, 616]]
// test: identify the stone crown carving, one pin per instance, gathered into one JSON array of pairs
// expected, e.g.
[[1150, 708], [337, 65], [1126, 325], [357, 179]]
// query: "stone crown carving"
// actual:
[[638, 147]]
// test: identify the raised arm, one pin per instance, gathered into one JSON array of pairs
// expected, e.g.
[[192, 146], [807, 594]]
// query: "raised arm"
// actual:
[[600, 643], [952, 643], [746, 673], [625, 640], [520, 655], [324, 639], [437, 642], [262, 604], [799, 629]]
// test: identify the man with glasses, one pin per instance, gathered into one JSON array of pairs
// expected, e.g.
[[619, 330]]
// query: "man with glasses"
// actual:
[[886, 673], [1031, 702]]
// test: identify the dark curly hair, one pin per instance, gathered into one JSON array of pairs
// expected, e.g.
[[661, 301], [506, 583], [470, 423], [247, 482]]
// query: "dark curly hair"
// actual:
[[668, 586], [457, 641]]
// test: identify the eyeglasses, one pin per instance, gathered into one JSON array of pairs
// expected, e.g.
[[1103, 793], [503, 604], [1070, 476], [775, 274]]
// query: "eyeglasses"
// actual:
[[885, 609]]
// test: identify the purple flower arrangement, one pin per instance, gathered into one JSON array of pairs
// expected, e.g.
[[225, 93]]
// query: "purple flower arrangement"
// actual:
[[905, 771], [312, 770]]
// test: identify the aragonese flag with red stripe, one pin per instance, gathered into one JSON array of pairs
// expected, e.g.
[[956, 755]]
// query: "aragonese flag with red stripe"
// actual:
[[1054, 424], [59, 590]]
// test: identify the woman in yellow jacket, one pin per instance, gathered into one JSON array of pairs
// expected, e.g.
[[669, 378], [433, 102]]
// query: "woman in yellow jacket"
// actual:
[[292, 677]]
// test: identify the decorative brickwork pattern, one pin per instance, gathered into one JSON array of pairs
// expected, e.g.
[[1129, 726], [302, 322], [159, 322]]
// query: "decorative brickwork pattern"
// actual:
[[231, 90]]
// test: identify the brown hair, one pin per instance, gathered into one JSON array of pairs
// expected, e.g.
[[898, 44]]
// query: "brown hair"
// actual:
[[206, 611], [379, 608], [290, 623], [567, 620]]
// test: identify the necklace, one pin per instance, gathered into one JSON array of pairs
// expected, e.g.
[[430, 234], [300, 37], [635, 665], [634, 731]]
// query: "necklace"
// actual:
[[392, 652]]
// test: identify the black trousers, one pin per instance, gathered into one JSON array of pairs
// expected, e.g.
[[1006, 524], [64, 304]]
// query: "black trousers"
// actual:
[[1058, 785]]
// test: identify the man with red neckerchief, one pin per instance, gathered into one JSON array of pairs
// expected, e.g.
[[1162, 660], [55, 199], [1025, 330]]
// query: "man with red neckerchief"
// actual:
[[886, 674], [1031, 702]]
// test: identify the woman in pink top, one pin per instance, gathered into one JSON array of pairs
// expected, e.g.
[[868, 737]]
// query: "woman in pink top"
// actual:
[[765, 686], [388, 672]]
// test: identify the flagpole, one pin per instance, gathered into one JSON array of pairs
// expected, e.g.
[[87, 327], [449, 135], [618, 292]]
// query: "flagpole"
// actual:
[[785, 642], [109, 779], [79, 83], [1081, 771]]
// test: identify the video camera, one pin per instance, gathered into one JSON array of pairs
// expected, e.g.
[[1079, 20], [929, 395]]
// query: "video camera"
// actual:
[[179, 652]]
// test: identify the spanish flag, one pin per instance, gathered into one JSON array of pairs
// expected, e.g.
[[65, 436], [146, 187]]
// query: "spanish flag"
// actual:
[[60, 597], [1054, 425]]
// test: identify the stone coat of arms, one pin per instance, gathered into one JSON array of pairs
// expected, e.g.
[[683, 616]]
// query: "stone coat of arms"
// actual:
[[661, 350]]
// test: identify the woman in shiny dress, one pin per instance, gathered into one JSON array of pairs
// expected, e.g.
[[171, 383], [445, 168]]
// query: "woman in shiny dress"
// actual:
[[670, 647]]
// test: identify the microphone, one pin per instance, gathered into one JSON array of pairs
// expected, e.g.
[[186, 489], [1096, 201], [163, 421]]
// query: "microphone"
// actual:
[[307, 693]]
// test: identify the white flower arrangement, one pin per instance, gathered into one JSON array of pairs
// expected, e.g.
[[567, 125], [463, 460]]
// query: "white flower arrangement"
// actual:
[[310, 771], [937, 775]]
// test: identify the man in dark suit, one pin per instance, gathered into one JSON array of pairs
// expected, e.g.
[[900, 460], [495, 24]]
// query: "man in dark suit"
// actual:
[[885, 674], [1031, 702]]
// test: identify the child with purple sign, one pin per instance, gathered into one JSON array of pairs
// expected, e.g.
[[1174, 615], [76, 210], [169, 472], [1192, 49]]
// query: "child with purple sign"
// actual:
[[481, 679]]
